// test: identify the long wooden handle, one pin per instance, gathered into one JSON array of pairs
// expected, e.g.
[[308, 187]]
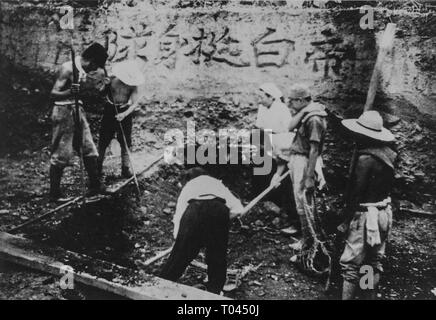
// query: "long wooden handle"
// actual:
[[157, 257], [385, 45], [253, 202]]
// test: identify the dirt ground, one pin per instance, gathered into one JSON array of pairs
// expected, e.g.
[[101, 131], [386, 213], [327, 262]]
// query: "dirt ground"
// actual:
[[125, 231]]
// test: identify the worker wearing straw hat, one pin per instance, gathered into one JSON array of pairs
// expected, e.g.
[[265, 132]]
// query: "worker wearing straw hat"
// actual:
[[123, 87], [368, 215]]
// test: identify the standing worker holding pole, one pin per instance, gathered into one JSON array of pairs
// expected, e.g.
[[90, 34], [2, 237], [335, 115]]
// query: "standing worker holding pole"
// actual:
[[71, 130], [122, 94]]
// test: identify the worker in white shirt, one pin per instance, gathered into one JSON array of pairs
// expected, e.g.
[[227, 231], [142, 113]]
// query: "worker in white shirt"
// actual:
[[274, 115], [202, 220]]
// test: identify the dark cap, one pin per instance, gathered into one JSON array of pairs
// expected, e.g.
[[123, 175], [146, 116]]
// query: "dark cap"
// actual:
[[96, 53]]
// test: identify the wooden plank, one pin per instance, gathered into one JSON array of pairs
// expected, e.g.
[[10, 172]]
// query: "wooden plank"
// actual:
[[417, 211], [45, 215], [32, 255]]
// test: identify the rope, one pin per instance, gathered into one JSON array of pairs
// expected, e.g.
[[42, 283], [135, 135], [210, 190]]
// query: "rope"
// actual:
[[307, 256]]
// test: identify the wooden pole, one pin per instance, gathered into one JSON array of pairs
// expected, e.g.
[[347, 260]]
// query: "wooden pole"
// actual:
[[139, 174], [77, 199], [246, 209], [263, 194], [386, 44], [47, 214], [112, 101], [157, 257]]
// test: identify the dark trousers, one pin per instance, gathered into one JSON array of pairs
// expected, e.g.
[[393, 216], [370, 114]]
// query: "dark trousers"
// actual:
[[205, 224], [109, 127]]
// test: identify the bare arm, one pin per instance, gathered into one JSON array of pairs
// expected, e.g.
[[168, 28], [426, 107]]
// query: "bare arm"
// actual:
[[133, 105], [64, 76], [281, 166], [310, 171]]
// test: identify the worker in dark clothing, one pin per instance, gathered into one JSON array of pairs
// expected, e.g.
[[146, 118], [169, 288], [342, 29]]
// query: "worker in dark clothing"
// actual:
[[202, 220], [368, 214], [122, 101]]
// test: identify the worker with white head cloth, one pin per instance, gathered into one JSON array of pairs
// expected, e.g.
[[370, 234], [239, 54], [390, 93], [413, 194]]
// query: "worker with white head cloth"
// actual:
[[122, 96], [273, 114], [276, 116]]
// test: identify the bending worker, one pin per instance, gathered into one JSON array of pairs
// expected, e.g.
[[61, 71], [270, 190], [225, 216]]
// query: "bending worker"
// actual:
[[202, 220]]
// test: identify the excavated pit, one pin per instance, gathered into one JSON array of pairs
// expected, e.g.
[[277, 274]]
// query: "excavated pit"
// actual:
[[124, 231]]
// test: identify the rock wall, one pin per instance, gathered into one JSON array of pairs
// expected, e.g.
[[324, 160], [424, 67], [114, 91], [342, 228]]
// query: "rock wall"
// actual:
[[231, 47]]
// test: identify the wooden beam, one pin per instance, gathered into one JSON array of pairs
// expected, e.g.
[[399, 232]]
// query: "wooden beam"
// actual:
[[45, 215], [385, 46], [49, 260], [417, 211]]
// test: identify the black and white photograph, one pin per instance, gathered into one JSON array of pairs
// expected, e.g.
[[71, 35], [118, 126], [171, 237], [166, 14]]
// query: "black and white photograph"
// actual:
[[228, 150]]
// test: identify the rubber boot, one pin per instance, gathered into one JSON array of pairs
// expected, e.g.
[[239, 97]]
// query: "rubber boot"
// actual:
[[126, 172], [349, 290], [95, 185], [55, 184]]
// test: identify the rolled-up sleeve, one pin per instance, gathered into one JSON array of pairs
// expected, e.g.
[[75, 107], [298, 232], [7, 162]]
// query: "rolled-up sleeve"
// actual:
[[233, 203]]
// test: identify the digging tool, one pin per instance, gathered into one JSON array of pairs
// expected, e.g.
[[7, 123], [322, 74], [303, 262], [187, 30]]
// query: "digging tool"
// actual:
[[246, 209], [66, 204], [139, 174], [263, 194], [157, 257], [135, 179], [385, 46], [77, 139], [77, 142], [77, 199]]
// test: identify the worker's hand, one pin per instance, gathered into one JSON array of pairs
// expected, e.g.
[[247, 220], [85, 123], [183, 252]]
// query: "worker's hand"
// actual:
[[343, 227], [120, 116], [236, 213], [309, 184], [275, 181], [75, 88]]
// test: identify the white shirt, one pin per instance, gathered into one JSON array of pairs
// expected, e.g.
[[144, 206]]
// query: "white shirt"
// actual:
[[276, 118], [203, 188]]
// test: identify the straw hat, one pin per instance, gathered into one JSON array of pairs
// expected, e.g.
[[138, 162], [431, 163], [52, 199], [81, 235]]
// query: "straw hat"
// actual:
[[271, 89], [129, 73], [370, 124]]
